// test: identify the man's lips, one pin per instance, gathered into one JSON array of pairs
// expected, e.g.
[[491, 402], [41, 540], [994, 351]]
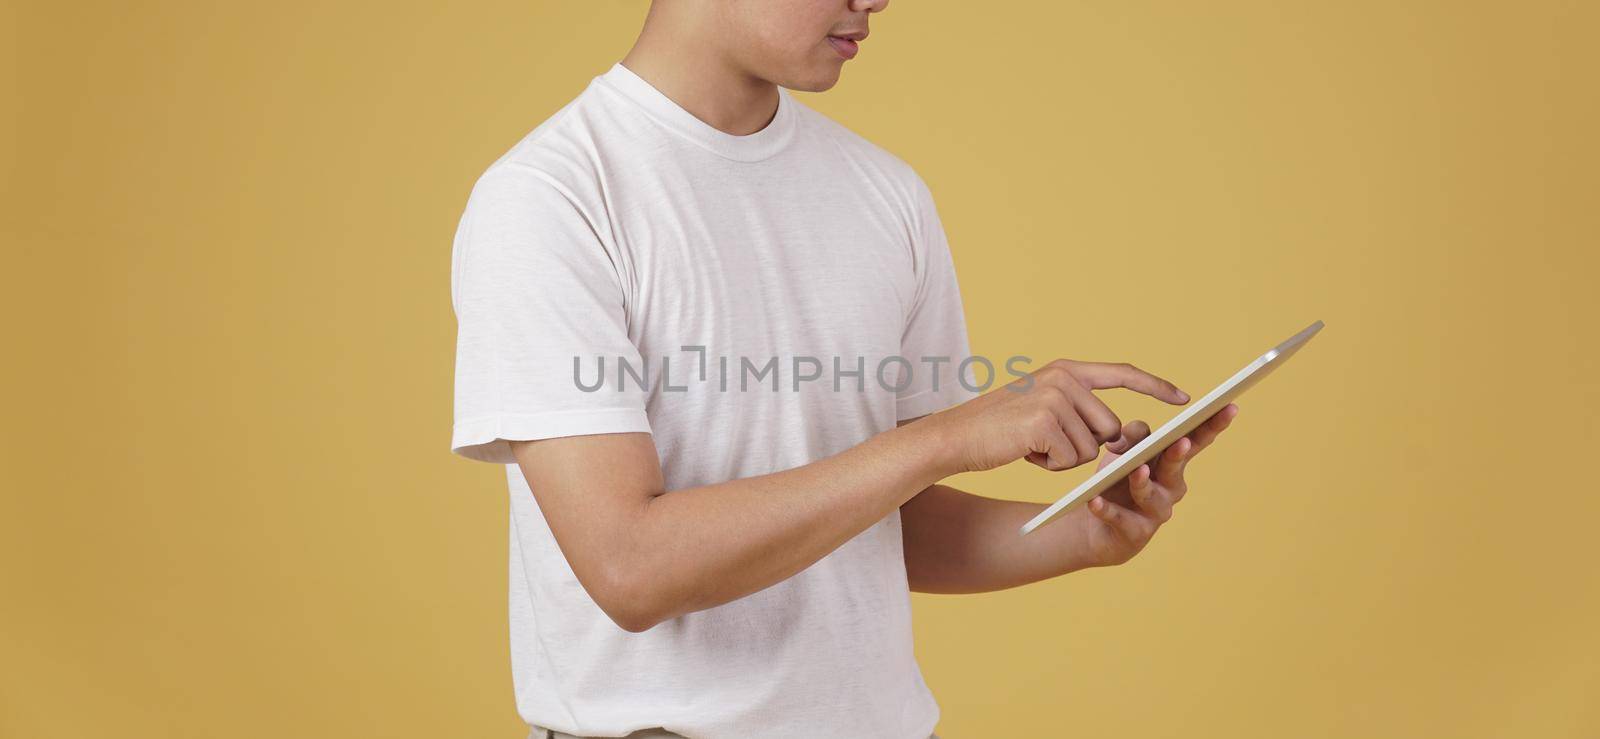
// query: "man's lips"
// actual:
[[847, 47]]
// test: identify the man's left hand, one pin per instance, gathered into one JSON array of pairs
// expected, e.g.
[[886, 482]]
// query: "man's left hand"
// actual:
[[1118, 524]]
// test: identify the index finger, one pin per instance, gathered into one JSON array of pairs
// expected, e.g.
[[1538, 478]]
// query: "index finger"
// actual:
[[1103, 375]]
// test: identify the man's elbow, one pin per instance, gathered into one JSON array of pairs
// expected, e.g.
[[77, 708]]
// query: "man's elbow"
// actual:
[[632, 618], [633, 599]]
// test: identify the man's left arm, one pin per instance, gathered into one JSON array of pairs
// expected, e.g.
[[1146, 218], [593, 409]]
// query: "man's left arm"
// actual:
[[957, 542]]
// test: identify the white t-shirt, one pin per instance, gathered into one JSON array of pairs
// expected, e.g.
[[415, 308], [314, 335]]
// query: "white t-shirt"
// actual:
[[622, 230]]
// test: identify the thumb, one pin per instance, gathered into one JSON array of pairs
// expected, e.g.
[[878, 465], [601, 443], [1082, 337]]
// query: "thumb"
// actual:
[[1132, 433]]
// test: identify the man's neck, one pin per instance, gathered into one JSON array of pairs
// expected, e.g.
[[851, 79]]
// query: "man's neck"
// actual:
[[675, 56]]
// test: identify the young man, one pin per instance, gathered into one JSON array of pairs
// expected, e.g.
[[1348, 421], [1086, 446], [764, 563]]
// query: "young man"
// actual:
[[709, 536]]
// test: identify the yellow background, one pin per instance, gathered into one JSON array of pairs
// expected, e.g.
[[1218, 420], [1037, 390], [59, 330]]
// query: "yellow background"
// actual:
[[229, 508]]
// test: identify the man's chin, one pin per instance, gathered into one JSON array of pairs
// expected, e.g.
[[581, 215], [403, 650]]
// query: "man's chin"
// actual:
[[819, 81]]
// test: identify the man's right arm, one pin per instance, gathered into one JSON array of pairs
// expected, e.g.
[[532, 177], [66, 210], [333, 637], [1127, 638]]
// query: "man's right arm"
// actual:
[[645, 554]]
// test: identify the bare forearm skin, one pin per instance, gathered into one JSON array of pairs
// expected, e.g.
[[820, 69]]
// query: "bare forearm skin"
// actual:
[[957, 542], [695, 548]]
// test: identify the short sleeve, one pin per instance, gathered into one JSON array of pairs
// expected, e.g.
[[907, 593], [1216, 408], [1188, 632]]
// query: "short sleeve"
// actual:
[[935, 337], [539, 310]]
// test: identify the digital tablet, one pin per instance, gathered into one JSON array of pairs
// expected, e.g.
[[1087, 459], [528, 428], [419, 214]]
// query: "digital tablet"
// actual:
[[1182, 424]]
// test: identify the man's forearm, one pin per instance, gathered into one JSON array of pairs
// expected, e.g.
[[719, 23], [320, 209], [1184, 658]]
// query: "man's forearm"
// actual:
[[759, 531], [695, 548], [957, 542]]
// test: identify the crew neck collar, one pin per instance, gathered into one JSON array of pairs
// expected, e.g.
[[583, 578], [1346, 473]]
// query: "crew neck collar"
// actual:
[[748, 148]]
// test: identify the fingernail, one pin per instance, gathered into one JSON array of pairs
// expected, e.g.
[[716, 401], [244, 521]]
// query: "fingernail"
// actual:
[[1183, 396]]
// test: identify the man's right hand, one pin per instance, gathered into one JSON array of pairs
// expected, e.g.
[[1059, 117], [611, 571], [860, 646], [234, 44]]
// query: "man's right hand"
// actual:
[[1050, 418]]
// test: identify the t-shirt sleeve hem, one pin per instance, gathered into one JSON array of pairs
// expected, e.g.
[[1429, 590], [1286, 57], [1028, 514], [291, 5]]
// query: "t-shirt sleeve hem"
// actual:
[[931, 401], [487, 438]]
